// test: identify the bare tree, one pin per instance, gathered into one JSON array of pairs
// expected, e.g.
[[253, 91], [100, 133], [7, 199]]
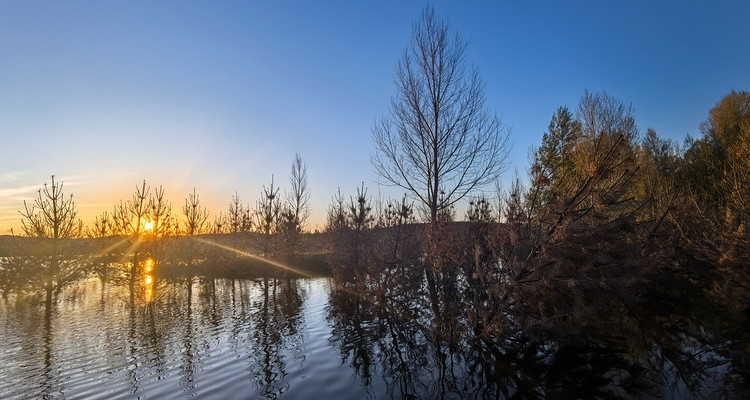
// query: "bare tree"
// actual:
[[238, 219], [102, 226], [296, 209], [219, 224], [162, 226], [162, 221], [298, 197], [13, 274], [267, 213], [348, 225], [101, 262], [54, 219], [438, 141], [146, 221], [130, 217], [52, 216], [130, 220], [196, 216], [196, 221]]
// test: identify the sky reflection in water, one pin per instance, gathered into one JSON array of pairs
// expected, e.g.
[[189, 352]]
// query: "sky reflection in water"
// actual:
[[251, 339]]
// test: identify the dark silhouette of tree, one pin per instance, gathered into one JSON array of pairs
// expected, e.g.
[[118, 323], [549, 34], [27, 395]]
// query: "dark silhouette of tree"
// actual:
[[296, 209], [163, 226], [337, 228], [53, 218], [219, 224], [153, 287], [130, 219], [101, 262], [162, 220], [348, 226], [267, 212], [361, 220], [196, 216], [298, 197], [395, 249], [13, 274], [237, 221], [573, 261], [238, 218], [196, 222], [438, 141]]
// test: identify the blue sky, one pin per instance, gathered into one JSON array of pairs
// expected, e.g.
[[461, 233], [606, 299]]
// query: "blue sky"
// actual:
[[221, 95]]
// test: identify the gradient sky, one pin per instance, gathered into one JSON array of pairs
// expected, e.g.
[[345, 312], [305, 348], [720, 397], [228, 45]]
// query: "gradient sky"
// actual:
[[220, 95]]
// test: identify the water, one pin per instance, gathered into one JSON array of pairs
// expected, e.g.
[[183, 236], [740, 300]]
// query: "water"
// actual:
[[233, 340], [289, 338]]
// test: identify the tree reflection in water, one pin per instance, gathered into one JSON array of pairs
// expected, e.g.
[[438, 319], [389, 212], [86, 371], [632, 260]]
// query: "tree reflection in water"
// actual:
[[665, 353], [234, 336], [276, 321], [49, 372], [272, 338], [380, 344]]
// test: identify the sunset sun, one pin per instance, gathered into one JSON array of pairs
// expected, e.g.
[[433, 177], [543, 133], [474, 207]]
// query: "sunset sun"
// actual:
[[148, 226]]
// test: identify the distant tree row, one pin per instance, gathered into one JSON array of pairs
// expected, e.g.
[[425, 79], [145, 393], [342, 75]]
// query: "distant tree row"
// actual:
[[138, 236]]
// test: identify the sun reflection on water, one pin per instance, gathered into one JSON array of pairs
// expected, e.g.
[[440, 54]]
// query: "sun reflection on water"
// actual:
[[148, 281]]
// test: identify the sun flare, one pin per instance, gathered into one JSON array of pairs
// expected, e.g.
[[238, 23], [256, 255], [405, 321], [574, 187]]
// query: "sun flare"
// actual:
[[148, 226]]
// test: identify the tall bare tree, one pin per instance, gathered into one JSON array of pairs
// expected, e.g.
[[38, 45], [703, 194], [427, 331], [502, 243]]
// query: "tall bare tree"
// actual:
[[438, 141], [295, 210], [298, 196], [54, 219]]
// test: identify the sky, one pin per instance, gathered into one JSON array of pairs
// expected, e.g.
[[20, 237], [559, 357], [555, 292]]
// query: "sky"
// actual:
[[219, 96]]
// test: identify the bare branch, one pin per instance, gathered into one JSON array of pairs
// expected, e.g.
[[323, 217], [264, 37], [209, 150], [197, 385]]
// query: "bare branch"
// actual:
[[438, 141]]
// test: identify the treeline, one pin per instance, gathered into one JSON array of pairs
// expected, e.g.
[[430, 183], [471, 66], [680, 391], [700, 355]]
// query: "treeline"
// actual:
[[144, 239], [624, 246]]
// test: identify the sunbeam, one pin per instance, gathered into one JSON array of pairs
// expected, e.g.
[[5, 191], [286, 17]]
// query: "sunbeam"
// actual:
[[402, 315], [251, 255], [132, 248], [113, 246]]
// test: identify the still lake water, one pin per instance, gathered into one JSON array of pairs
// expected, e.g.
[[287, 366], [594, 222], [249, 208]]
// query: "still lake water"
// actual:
[[235, 339], [289, 338]]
